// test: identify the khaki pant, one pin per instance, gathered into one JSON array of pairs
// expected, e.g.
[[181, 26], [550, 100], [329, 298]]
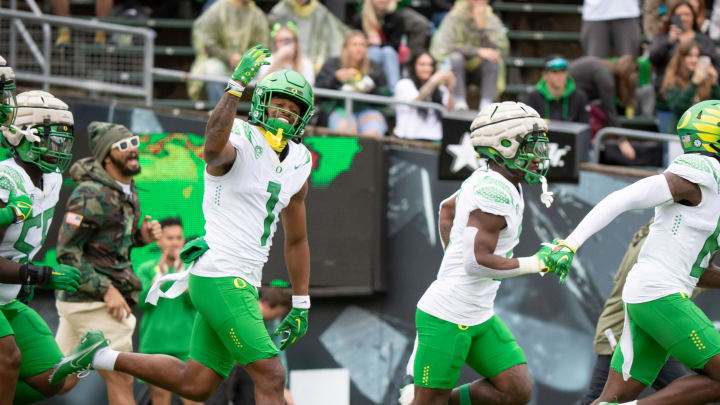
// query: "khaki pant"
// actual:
[[76, 318]]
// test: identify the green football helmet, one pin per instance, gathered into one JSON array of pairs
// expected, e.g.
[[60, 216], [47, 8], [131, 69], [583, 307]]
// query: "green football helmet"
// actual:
[[8, 104], [284, 83], [512, 135], [42, 133], [699, 128]]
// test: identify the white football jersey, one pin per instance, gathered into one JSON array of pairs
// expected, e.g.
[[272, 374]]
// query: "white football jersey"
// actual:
[[682, 239], [242, 207], [23, 240], [456, 295]]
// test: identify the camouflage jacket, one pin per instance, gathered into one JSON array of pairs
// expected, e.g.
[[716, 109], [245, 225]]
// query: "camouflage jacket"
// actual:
[[458, 32], [98, 231]]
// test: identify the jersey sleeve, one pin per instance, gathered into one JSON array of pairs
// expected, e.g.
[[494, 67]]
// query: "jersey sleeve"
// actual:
[[695, 169], [239, 134], [304, 161], [10, 183], [492, 197]]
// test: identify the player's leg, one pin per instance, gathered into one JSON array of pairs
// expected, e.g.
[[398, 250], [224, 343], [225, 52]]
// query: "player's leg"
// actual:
[[671, 371], [442, 348], [10, 360], [159, 396], [268, 376], [39, 353], [686, 332], [495, 355]]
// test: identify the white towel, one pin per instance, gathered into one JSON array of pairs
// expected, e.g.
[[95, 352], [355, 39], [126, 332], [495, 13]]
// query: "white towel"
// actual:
[[179, 286]]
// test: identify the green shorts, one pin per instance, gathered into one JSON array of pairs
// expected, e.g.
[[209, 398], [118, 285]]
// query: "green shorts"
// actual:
[[32, 336], [229, 326], [671, 325], [443, 347]]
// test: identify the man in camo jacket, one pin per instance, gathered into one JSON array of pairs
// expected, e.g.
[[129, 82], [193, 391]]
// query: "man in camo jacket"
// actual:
[[99, 230]]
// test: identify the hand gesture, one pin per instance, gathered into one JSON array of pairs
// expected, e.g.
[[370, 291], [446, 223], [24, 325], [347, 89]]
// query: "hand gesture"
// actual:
[[560, 259], [489, 54], [292, 327], [21, 206], [699, 75], [673, 34], [345, 74], [64, 277], [117, 307], [285, 53], [150, 231], [250, 64]]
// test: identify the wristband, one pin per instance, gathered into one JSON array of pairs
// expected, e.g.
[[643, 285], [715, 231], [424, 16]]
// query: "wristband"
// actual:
[[30, 274], [301, 301], [234, 88], [529, 265]]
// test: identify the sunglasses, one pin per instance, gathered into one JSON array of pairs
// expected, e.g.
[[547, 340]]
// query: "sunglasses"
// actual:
[[127, 143]]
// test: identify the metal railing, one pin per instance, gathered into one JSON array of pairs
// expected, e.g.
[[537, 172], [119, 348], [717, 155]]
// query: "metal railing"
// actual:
[[349, 98], [628, 133], [97, 56]]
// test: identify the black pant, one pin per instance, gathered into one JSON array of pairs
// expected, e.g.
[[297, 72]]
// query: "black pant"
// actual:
[[669, 373]]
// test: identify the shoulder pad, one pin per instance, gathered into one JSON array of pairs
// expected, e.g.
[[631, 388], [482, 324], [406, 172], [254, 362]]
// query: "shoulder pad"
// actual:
[[494, 190]]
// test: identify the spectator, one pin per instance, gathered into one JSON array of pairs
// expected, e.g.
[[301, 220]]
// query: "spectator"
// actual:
[[220, 36], [354, 71], [287, 53], [684, 29], [61, 8], [611, 21], [689, 80], [424, 84], [274, 303], [603, 81], [319, 31], [165, 328], [387, 27], [96, 236], [473, 39], [555, 96]]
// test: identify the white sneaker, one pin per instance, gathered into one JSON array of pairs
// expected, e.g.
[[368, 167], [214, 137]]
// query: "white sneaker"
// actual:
[[461, 106], [407, 394]]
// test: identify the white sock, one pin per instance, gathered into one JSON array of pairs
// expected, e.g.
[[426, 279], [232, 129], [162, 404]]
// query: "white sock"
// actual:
[[105, 359], [630, 403]]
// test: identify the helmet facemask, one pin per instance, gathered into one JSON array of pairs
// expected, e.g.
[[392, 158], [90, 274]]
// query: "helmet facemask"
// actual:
[[53, 152], [532, 146], [286, 84]]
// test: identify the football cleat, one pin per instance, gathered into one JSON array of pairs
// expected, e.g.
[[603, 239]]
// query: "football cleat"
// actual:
[[80, 359]]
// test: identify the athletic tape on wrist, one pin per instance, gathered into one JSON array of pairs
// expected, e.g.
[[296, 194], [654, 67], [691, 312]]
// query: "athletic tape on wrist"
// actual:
[[301, 301], [234, 88], [30, 274]]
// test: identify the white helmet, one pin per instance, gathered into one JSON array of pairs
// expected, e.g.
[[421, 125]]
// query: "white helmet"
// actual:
[[512, 134], [43, 131]]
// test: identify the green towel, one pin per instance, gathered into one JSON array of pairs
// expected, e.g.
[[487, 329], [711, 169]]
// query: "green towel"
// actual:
[[193, 249]]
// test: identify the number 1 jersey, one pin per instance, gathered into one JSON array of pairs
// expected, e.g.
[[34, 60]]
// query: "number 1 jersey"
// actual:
[[23, 240], [242, 207]]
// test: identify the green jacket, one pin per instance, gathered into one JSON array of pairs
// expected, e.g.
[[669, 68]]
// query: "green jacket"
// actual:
[[99, 229], [165, 328]]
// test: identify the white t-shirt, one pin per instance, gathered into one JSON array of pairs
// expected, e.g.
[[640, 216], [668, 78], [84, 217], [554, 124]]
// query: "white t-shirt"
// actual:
[[409, 123], [682, 239], [603, 10], [306, 65], [243, 206], [23, 240], [456, 295]]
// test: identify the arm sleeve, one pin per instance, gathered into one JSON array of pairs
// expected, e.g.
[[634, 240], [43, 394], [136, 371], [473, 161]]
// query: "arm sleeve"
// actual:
[[645, 193], [83, 216]]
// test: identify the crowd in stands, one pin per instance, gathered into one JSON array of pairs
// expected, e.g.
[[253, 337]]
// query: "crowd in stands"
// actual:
[[652, 58]]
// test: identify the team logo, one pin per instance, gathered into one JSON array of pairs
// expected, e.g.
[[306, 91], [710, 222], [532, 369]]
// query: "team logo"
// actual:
[[258, 151], [278, 169], [697, 143]]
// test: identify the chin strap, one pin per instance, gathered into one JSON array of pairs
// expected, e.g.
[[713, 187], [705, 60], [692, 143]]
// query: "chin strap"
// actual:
[[547, 196], [276, 141]]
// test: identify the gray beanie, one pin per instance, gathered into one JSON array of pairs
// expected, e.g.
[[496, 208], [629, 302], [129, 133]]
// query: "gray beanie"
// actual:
[[101, 136]]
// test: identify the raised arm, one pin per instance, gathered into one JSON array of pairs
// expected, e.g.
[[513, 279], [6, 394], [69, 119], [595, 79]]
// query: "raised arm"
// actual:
[[218, 152]]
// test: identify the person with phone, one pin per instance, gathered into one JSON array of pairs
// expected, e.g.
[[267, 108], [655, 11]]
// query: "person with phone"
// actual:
[[681, 27], [689, 79]]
